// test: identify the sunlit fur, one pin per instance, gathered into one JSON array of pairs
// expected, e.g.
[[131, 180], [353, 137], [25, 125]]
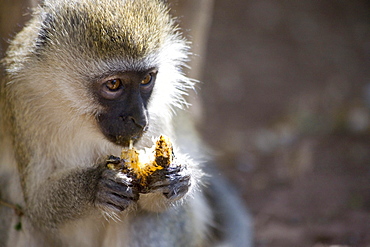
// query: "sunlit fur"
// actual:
[[49, 126]]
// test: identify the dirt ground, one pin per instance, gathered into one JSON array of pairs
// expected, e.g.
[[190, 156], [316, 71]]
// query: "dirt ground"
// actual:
[[286, 99]]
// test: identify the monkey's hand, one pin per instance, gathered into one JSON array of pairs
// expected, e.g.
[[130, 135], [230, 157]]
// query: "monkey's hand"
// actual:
[[173, 182], [115, 190]]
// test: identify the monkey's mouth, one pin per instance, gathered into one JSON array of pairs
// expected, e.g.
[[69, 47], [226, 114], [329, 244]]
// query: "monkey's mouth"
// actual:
[[121, 132], [124, 141]]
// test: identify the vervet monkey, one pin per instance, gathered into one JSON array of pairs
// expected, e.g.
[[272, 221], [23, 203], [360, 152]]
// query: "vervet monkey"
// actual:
[[84, 79]]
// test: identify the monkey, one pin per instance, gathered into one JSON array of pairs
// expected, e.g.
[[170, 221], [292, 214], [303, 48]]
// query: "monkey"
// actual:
[[82, 80]]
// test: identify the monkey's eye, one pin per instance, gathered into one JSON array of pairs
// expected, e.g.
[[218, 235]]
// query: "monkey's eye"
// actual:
[[147, 83], [147, 79], [111, 88], [114, 84]]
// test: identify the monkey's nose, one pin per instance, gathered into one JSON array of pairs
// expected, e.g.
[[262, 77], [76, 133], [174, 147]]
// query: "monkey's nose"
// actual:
[[141, 122]]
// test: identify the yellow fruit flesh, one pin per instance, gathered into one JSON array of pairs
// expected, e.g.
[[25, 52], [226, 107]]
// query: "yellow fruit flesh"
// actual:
[[144, 163]]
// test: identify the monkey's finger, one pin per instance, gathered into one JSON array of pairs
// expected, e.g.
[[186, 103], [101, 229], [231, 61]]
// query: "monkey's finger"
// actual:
[[122, 190], [169, 180], [177, 191], [117, 177], [112, 201]]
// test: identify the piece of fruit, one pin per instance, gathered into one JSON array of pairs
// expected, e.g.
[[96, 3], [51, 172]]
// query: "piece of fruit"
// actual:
[[141, 164]]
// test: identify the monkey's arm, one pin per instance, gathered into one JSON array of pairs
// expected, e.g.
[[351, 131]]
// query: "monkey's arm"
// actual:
[[74, 194]]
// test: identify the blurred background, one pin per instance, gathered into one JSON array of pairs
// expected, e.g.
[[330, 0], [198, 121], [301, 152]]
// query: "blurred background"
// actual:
[[284, 104]]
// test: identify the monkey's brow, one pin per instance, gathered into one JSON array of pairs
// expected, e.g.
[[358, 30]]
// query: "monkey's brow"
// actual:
[[111, 73]]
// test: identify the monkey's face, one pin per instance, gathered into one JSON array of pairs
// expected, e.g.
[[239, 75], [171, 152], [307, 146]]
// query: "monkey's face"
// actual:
[[103, 58], [124, 98]]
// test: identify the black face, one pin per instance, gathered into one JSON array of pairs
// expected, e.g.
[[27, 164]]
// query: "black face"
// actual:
[[125, 98]]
